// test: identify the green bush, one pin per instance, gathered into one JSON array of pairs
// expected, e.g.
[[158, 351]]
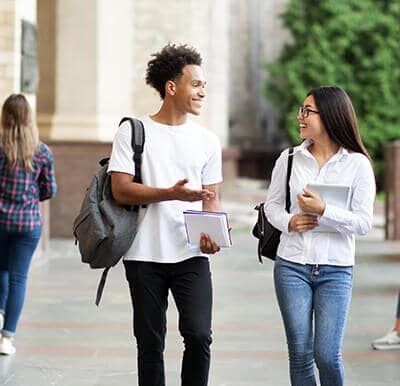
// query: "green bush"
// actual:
[[354, 44]]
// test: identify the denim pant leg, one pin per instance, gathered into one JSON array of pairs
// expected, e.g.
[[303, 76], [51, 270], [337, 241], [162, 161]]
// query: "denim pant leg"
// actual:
[[295, 298], [192, 290], [4, 247], [332, 296], [398, 307], [14, 268]]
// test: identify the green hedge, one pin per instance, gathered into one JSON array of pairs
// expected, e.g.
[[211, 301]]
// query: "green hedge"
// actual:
[[354, 44]]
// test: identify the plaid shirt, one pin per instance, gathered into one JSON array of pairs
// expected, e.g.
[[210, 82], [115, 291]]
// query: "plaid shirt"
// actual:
[[21, 191]]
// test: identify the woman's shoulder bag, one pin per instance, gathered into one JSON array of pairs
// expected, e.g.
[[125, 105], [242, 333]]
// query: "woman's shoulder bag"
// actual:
[[268, 236]]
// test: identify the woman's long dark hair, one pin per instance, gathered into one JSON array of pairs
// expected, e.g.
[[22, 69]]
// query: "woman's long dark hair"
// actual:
[[339, 118]]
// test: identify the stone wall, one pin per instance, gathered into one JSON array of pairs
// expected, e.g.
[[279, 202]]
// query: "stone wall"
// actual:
[[7, 57], [257, 36], [75, 164]]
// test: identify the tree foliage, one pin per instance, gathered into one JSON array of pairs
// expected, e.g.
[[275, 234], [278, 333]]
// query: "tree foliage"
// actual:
[[354, 44]]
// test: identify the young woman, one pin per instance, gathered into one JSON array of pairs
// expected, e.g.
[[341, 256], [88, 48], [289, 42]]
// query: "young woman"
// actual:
[[26, 177], [314, 269]]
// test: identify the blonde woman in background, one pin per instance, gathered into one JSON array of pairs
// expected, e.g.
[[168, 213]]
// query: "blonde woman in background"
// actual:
[[26, 177]]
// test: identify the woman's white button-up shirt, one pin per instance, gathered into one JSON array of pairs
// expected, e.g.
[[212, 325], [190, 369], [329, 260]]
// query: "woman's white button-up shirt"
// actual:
[[312, 247]]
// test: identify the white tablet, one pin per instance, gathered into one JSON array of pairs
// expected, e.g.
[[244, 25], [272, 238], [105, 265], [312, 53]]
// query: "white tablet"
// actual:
[[337, 195]]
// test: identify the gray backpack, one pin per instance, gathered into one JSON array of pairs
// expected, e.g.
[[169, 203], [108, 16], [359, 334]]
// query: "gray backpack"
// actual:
[[103, 229]]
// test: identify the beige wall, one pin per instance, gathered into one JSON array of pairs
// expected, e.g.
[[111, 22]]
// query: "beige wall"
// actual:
[[86, 69], [96, 65], [11, 14], [46, 21], [115, 35], [259, 35], [93, 57], [7, 54], [204, 26]]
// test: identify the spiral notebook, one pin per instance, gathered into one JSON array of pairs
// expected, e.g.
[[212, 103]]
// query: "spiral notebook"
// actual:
[[213, 223]]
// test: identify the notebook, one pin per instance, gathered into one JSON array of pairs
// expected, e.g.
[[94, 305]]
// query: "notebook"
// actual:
[[213, 223], [336, 195]]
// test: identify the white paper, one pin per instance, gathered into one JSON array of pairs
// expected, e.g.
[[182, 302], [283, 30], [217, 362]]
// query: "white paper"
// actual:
[[213, 223]]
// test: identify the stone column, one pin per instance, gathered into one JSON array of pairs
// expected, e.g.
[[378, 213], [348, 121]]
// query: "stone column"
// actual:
[[392, 190], [7, 48], [88, 85], [259, 35], [12, 12]]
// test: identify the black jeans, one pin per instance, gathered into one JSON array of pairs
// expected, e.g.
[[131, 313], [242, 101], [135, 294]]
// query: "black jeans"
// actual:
[[190, 285]]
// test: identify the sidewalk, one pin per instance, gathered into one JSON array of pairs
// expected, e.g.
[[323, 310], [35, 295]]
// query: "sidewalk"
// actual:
[[65, 340]]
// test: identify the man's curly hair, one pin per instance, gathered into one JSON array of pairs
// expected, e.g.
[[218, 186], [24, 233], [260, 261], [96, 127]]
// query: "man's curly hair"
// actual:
[[168, 65]]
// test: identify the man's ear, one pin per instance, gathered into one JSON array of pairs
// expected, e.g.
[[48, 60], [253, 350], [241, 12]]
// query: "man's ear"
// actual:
[[170, 87]]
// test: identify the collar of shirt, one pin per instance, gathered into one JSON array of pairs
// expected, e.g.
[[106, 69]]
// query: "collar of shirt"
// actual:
[[303, 149]]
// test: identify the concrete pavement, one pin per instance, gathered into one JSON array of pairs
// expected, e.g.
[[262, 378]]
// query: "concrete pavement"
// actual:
[[65, 340]]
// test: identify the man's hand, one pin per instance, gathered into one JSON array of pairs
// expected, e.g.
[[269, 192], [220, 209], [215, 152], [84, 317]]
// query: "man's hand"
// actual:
[[310, 202], [207, 245], [302, 222], [182, 193]]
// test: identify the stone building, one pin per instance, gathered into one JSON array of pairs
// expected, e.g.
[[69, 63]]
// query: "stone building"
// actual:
[[91, 58]]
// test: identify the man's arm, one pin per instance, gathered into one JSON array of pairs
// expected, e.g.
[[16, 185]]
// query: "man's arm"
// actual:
[[207, 245], [212, 204], [127, 192]]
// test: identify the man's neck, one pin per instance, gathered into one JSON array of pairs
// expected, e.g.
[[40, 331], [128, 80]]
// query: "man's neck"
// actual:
[[168, 115]]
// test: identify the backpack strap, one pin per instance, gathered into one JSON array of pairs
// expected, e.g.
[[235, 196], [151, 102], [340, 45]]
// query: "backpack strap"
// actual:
[[137, 142], [261, 214], [101, 285], [288, 174]]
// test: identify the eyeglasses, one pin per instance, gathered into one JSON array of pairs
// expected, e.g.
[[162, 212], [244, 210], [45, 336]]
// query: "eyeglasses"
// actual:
[[305, 111]]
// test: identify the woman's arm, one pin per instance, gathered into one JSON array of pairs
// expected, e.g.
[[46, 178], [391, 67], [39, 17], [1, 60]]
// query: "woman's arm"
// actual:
[[275, 204], [47, 180], [358, 219], [276, 196]]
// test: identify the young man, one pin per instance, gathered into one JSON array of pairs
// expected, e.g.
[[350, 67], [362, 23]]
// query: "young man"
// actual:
[[181, 169]]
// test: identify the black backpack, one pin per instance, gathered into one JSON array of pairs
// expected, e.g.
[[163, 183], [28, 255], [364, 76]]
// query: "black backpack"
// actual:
[[103, 229], [268, 236]]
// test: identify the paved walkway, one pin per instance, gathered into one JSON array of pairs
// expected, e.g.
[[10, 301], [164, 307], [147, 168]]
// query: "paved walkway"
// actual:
[[65, 340]]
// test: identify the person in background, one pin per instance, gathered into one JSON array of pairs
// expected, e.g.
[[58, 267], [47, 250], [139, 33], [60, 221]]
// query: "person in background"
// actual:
[[313, 271], [390, 341], [26, 177]]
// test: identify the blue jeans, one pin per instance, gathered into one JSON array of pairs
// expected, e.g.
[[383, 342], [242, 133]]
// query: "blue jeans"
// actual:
[[314, 302], [16, 249]]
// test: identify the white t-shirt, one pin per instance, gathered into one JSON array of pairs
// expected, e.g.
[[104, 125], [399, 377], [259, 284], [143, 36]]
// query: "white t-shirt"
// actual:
[[171, 153]]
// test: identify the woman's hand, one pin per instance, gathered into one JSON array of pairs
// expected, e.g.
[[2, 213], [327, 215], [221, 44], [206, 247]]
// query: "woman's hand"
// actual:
[[302, 222], [310, 202], [207, 245]]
